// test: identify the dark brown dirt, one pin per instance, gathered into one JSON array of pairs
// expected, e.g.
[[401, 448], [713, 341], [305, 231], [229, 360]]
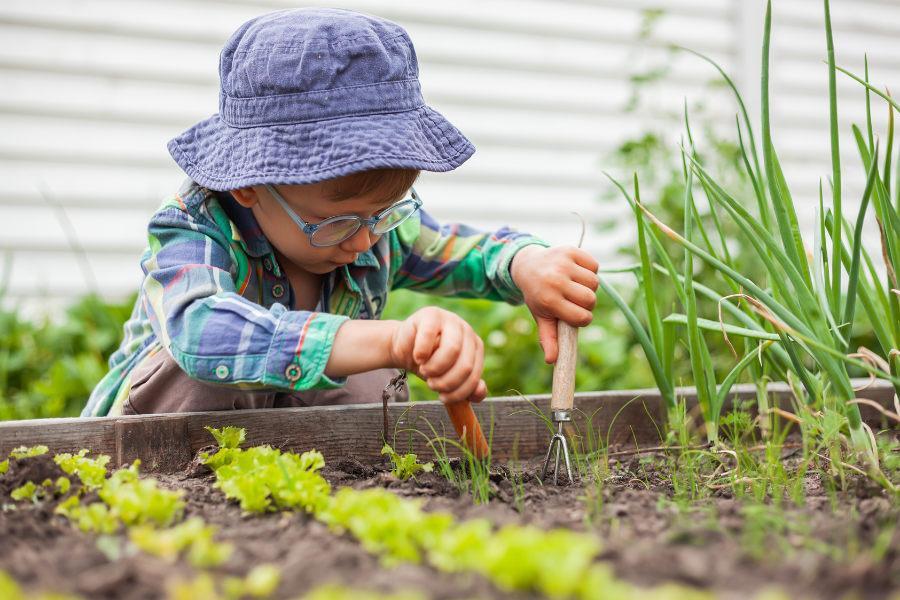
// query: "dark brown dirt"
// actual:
[[726, 545]]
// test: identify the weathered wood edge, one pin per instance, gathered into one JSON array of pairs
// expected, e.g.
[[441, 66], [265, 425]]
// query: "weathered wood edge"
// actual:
[[167, 442]]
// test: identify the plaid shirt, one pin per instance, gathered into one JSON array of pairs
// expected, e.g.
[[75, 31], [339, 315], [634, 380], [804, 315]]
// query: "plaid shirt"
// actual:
[[215, 297]]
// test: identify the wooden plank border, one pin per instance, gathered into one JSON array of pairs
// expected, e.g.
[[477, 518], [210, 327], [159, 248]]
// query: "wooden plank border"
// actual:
[[166, 443]]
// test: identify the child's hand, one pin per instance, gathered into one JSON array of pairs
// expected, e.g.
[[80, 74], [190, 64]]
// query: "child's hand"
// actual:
[[443, 350], [558, 283]]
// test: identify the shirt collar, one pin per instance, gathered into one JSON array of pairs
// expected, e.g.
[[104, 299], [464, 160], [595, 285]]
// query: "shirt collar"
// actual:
[[251, 235]]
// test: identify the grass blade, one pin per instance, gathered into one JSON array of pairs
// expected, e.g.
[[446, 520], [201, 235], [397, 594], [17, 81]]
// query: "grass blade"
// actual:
[[691, 310], [835, 168], [706, 324], [853, 280], [733, 375], [646, 285], [665, 388]]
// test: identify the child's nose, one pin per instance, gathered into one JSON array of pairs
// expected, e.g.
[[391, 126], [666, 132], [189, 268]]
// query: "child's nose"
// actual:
[[360, 241]]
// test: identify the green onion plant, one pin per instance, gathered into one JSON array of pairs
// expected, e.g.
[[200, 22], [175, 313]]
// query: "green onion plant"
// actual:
[[797, 323]]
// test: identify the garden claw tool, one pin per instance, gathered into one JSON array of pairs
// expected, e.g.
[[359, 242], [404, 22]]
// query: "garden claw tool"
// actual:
[[563, 398]]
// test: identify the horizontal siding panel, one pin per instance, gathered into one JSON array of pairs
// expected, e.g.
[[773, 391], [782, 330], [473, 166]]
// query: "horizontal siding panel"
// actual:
[[93, 89]]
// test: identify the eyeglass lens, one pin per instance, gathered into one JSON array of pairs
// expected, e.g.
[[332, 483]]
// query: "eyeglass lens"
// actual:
[[394, 217], [335, 232]]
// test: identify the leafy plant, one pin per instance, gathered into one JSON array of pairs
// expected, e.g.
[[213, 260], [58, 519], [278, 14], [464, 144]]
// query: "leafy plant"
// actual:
[[260, 476], [191, 535], [48, 368], [95, 517], [228, 437], [137, 501], [405, 465], [260, 582], [91, 471], [23, 452], [34, 492], [804, 305]]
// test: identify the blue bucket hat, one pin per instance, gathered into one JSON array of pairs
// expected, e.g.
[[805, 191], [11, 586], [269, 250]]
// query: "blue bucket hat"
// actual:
[[311, 94]]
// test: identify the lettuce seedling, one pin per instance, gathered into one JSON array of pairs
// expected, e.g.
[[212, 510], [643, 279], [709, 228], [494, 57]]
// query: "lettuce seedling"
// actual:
[[96, 517], [384, 524], [92, 472], [34, 492], [405, 465], [228, 437], [137, 501], [257, 477], [262, 580], [4, 466], [23, 452], [24, 492], [192, 535]]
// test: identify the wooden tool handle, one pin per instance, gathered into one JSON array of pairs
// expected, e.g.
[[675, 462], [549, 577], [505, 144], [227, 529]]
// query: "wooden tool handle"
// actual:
[[564, 370], [465, 422]]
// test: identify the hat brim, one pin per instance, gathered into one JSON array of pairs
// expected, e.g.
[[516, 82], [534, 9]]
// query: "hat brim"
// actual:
[[224, 158]]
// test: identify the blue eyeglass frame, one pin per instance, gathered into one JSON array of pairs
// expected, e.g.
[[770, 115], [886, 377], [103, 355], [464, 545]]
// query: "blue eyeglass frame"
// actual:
[[310, 229]]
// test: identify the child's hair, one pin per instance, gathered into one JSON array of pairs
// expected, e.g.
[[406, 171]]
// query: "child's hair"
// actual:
[[391, 184]]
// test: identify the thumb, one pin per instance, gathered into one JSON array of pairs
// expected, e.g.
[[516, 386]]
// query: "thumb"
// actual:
[[547, 332]]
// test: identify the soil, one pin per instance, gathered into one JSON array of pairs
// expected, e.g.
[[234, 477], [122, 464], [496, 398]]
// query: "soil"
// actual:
[[720, 545]]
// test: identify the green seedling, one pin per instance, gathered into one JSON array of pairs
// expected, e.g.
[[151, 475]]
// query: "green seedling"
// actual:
[[263, 479], [191, 535], [34, 492], [92, 472], [405, 466], [23, 452], [228, 437]]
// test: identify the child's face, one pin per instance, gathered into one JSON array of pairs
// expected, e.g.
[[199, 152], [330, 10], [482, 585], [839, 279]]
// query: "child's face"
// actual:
[[312, 204]]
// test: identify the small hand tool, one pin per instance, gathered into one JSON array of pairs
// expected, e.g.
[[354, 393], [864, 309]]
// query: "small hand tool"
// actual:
[[466, 424], [468, 429], [563, 399]]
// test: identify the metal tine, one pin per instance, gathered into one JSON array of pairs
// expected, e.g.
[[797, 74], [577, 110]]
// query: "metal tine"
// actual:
[[557, 441]]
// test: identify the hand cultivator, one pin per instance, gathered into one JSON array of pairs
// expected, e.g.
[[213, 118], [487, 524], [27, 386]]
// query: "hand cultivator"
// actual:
[[563, 398]]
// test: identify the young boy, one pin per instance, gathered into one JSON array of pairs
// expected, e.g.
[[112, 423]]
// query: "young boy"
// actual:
[[268, 272]]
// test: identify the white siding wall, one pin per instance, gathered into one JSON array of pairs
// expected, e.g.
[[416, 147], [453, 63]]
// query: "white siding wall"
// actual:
[[91, 91]]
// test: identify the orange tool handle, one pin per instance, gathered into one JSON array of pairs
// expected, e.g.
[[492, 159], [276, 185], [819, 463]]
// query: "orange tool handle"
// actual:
[[464, 420]]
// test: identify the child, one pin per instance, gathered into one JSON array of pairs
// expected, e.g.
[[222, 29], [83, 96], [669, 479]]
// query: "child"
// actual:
[[268, 272]]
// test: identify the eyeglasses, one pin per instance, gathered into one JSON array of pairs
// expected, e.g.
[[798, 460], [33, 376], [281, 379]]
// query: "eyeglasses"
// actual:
[[335, 230]]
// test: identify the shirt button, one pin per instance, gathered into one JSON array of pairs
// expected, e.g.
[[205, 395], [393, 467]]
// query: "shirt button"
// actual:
[[278, 290], [267, 263], [293, 373], [221, 371]]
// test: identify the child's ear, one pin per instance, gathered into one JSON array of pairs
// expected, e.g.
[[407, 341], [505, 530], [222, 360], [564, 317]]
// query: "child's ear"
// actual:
[[246, 197]]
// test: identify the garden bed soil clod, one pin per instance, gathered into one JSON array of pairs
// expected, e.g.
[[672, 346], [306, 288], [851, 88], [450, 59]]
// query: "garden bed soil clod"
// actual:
[[645, 538]]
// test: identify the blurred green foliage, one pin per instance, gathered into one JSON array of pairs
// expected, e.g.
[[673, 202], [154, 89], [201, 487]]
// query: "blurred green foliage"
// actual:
[[48, 368]]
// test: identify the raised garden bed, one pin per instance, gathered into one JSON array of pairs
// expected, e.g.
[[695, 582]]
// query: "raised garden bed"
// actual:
[[840, 539]]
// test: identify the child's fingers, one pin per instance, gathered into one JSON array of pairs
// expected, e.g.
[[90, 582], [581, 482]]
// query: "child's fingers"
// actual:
[[580, 296], [445, 355], [547, 335], [461, 378], [573, 314], [585, 260], [586, 277], [480, 392], [428, 333]]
